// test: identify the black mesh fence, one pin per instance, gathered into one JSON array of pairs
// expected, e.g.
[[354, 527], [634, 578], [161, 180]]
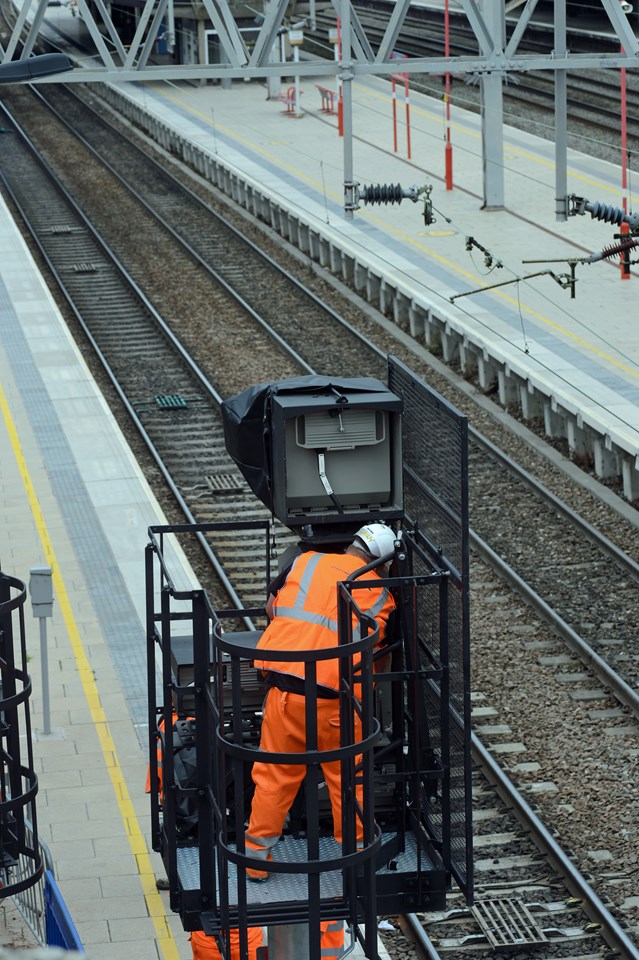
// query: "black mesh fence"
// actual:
[[435, 455]]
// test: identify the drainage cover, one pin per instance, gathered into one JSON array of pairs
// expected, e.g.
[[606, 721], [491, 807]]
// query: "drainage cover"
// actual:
[[224, 483], [508, 923], [85, 267], [170, 401]]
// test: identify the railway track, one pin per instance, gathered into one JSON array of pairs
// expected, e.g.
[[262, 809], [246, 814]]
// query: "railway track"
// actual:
[[170, 423]]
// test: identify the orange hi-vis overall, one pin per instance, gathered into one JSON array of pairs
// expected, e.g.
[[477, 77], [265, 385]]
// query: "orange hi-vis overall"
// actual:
[[205, 948], [304, 618]]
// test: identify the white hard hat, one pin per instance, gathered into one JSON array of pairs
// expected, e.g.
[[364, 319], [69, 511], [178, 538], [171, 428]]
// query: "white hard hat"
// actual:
[[376, 538]]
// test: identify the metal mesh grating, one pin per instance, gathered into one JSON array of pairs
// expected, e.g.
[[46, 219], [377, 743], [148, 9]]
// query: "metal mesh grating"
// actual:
[[435, 439], [508, 923]]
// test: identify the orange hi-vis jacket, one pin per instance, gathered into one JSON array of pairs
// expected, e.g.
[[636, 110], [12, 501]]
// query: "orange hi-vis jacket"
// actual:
[[305, 612], [174, 717]]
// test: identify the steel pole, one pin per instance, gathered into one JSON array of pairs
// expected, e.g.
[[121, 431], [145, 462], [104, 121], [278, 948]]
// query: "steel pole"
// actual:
[[625, 229], [288, 942], [44, 663], [347, 90]]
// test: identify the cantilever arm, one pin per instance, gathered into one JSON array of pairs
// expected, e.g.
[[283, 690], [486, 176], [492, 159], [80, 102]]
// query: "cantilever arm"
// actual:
[[504, 283]]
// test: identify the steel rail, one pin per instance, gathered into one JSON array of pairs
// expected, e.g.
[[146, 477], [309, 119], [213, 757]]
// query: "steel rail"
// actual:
[[621, 690], [179, 185], [414, 930], [616, 684], [610, 930], [629, 565], [576, 883], [215, 396]]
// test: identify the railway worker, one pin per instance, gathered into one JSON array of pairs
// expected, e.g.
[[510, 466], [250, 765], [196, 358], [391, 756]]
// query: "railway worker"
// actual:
[[303, 609]]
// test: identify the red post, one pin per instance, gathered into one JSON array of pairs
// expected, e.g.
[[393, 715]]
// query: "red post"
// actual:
[[625, 269], [407, 114], [403, 77], [448, 149], [340, 98]]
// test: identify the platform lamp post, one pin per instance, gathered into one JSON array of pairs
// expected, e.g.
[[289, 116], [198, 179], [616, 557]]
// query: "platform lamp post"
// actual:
[[448, 149], [296, 39]]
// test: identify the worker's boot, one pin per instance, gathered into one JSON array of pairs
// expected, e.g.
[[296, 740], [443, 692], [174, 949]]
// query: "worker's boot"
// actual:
[[258, 876]]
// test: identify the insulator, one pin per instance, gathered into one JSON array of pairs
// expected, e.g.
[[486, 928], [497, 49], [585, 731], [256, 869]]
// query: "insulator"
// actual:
[[603, 211], [613, 251], [382, 193]]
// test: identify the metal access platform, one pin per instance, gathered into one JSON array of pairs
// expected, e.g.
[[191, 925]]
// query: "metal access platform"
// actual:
[[405, 763]]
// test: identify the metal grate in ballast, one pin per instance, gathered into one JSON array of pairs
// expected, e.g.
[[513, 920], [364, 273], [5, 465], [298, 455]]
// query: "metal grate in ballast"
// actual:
[[508, 923], [85, 267], [63, 228], [224, 482], [170, 401]]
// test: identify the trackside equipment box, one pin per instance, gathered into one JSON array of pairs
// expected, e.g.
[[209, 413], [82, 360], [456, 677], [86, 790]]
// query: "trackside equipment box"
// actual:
[[320, 450]]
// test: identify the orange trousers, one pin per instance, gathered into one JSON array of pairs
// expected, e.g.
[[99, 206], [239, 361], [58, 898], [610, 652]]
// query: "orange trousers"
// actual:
[[276, 784], [205, 948], [332, 939]]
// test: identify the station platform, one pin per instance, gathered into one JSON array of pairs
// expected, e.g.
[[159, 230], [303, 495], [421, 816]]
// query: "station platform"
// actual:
[[72, 498], [572, 362]]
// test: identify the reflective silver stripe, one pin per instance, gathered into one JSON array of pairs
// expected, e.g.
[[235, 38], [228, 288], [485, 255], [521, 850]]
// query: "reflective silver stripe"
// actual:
[[336, 925], [305, 582], [297, 611], [293, 613], [379, 603], [263, 846]]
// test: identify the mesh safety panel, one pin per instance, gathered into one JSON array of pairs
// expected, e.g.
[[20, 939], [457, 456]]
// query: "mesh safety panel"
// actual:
[[435, 447]]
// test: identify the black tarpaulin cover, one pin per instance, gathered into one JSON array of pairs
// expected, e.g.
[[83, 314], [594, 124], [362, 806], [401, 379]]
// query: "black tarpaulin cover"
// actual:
[[246, 419]]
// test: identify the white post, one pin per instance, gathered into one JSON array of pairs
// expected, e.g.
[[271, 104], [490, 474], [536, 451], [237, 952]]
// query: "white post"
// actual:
[[44, 664], [41, 592], [333, 38], [296, 60], [296, 39]]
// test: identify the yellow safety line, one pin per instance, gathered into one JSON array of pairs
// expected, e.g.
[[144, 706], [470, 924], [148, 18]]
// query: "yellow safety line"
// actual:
[[154, 903], [632, 371]]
